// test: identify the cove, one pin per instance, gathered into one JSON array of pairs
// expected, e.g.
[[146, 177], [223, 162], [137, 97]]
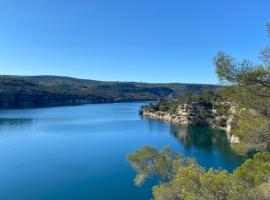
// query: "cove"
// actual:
[[80, 152]]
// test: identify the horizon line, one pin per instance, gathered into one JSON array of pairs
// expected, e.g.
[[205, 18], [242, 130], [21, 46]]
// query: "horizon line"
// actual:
[[89, 79]]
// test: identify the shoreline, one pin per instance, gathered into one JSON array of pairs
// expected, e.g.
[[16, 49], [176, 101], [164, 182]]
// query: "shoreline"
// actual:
[[178, 120], [70, 105]]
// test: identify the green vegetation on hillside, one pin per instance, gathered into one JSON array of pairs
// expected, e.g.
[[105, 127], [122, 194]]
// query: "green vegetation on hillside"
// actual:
[[206, 109], [207, 99], [32, 91]]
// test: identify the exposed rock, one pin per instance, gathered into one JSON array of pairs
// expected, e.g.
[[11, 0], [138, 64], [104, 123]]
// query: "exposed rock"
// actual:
[[192, 114], [234, 140], [195, 114]]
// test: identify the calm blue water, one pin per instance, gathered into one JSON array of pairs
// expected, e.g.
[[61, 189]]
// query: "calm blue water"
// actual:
[[80, 152]]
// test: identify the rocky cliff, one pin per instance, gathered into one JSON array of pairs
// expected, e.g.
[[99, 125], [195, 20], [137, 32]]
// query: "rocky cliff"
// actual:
[[193, 114]]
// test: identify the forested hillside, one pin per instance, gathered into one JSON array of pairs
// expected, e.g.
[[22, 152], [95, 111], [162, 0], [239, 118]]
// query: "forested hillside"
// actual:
[[39, 91]]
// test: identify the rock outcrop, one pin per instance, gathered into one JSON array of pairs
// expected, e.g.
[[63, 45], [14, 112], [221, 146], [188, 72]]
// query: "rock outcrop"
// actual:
[[192, 114], [195, 114]]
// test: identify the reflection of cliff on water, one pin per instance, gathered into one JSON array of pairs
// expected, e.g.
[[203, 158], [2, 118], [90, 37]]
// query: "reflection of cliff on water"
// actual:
[[14, 121], [202, 138]]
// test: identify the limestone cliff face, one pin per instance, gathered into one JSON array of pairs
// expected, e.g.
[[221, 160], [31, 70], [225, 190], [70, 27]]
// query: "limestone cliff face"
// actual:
[[192, 114], [195, 114]]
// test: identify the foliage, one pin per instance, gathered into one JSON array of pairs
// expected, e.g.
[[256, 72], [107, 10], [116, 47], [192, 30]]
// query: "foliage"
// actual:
[[253, 131], [248, 87], [148, 162], [189, 181], [207, 99], [256, 171]]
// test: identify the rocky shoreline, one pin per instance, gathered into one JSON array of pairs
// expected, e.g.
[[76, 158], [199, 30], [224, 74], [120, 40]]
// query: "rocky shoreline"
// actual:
[[191, 115]]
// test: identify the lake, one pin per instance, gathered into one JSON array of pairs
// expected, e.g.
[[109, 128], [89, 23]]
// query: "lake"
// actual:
[[80, 152]]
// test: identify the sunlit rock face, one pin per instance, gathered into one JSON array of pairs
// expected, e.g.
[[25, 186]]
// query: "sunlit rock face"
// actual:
[[234, 140], [193, 114]]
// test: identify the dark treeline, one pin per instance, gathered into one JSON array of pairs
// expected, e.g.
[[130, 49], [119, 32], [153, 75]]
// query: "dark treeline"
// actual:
[[39, 91]]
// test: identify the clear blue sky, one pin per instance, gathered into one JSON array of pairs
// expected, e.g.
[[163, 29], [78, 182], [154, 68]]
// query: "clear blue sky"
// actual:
[[129, 40]]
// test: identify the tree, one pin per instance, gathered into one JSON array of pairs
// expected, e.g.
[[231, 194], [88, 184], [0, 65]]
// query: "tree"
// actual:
[[148, 162], [256, 171], [247, 85], [183, 178]]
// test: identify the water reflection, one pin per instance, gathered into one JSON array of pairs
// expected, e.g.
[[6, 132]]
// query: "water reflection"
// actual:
[[204, 139], [14, 121], [200, 137]]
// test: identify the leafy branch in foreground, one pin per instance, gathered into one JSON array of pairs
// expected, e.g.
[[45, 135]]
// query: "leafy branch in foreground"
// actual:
[[182, 178], [148, 162]]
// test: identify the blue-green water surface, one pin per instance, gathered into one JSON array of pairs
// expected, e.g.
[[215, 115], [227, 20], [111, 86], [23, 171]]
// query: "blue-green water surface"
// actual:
[[80, 152]]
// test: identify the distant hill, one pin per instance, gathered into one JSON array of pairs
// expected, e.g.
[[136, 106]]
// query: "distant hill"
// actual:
[[41, 91]]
